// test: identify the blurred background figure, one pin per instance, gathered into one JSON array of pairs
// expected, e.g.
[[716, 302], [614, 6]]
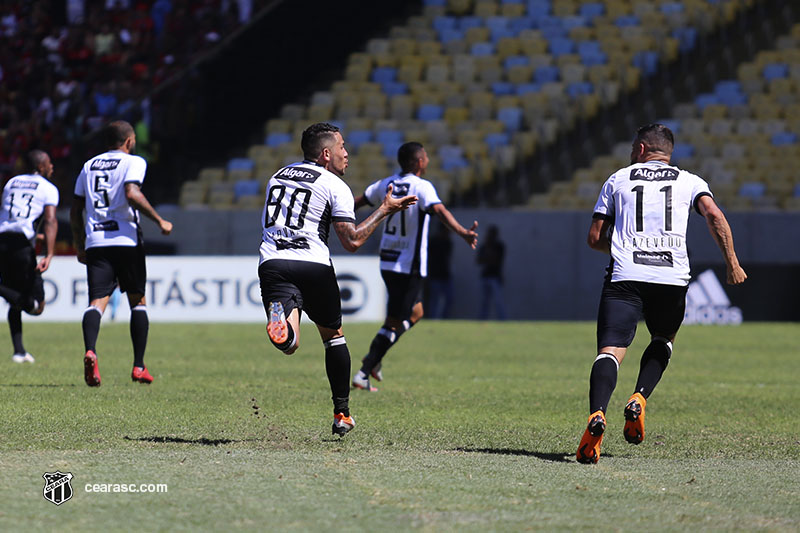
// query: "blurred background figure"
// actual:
[[490, 257], [440, 282]]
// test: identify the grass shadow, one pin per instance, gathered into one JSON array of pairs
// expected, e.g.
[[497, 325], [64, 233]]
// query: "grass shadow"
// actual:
[[202, 441], [553, 457], [38, 385]]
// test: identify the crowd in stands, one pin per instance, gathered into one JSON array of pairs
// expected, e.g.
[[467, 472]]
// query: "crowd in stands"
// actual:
[[68, 67]]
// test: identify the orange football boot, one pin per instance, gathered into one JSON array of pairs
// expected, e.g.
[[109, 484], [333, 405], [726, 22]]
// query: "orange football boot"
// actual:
[[634, 419], [589, 448], [277, 328], [342, 424]]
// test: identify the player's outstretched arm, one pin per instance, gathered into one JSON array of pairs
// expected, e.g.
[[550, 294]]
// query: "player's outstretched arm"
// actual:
[[598, 235], [76, 225], [138, 200], [353, 237], [721, 232], [50, 225], [447, 218]]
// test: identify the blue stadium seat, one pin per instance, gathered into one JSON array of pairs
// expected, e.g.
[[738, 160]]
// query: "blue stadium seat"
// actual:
[[384, 74], [592, 9], [591, 53], [392, 88], [496, 23], [518, 24], [797, 190], [502, 88], [240, 163], [502, 33], [706, 99], [647, 61], [546, 74], [389, 137], [524, 88], [465, 23], [356, 138], [444, 23], [516, 61], [560, 46], [578, 88], [493, 140], [512, 2], [752, 190], [435, 2], [625, 21], [553, 32], [511, 117], [671, 8], [246, 188], [448, 34], [276, 139], [687, 38], [575, 21], [681, 151], [783, 138], [775, 70], [729, 92], [673, 124], [427, 112], [452, 157], [538, 8], [482, 49]]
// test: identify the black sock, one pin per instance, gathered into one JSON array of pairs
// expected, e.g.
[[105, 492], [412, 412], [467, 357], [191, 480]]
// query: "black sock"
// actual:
[[140, 325], [337, 365], [602, 382], [385, 339], [91, 327], [15, 326], [654, 361]]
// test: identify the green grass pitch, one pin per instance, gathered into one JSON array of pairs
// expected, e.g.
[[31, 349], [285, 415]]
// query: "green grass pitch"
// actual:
[[474, 429]]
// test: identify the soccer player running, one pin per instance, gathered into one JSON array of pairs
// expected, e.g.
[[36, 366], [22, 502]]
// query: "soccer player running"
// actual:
[[26, 198], [404, 253], [295, 269], [109, 242], [640, 219]]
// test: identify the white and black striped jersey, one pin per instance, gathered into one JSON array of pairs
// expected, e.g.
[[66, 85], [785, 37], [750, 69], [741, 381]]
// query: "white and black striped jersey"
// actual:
[[649, 204], [404, 245], [24, 198], [110, 220], [302, 201]]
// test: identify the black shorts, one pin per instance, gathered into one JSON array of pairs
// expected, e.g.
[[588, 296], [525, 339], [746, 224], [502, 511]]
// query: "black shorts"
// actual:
[[18, 265], [623, 303], [405, 291], [305, 286], [109, 266]]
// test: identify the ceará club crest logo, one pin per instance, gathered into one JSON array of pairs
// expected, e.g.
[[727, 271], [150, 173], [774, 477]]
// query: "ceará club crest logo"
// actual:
[[57, 488]]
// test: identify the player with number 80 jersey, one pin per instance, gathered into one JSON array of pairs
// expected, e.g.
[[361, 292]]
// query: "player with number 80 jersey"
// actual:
[[301, 202]]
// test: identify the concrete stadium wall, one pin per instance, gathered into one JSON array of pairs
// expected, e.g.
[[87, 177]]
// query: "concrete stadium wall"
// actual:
[[551, 274]]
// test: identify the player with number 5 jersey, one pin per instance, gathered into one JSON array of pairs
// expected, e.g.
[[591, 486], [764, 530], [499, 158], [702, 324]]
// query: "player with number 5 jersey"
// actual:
[[109, 242], [640, 219], [303, 201]]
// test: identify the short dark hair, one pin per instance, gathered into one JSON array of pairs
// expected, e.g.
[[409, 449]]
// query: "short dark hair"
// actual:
[[117, 133], [35, 158], [656, 137], [408, 154], [315, 137]]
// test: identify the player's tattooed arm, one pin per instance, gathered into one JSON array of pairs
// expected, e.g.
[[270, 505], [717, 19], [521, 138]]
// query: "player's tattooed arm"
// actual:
[[353, 237], [721, 232], [138, 200]]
